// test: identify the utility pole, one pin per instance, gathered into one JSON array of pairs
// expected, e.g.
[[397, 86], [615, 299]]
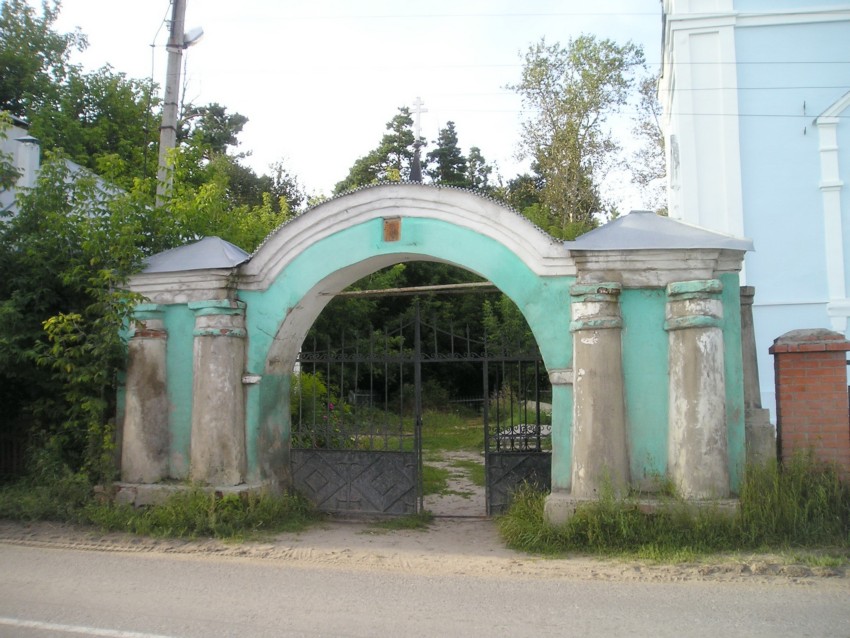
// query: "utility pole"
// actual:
[[168, 129]]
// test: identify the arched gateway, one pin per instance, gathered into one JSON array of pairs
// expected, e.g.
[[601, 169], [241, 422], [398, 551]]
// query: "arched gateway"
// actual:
[[638, 324]]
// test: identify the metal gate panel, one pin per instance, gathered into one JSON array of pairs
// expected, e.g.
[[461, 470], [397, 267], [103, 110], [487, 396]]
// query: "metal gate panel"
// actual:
[[358, 448], [517, 442], [342, 481], [507, 471]]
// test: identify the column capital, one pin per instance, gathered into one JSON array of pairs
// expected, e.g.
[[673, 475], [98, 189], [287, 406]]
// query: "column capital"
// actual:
[[605, 291], [696, 289], [561, 376], [147, 322], [694, 304], [596, 306], [217, 307], [748, 294], [219, 318]]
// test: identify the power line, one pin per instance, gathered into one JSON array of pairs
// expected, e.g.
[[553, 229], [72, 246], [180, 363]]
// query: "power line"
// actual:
[[425, 16]]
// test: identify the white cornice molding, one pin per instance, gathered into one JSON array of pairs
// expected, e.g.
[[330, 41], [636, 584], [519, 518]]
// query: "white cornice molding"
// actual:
[[543, 255], [705, 20], [654, 268], [179, 288], [831, 114]]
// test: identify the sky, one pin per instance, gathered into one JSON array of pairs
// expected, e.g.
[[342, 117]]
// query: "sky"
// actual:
[[319, 79]]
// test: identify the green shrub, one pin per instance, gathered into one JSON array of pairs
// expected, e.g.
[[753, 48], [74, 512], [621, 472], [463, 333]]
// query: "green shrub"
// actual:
[[193, 513], [802, 503]]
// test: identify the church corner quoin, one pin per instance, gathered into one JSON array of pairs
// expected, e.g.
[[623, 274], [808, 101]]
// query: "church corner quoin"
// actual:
[[639, 328]]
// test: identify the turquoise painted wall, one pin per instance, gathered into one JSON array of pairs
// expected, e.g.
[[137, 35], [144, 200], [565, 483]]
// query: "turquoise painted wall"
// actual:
[[543, 301], [646, 383], [179, 323], [562, 437], [540, 299], [731, 299]]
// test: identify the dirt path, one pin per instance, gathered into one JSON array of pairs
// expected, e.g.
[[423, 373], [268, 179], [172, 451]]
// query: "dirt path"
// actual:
[[449, 546], [463, 497]]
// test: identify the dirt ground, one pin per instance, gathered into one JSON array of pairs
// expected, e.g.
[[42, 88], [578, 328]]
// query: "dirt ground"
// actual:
[[461, 540]]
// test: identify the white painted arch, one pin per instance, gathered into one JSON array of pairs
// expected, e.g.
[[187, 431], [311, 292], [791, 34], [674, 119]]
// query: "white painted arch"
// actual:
[[292, 278], [543, 254]]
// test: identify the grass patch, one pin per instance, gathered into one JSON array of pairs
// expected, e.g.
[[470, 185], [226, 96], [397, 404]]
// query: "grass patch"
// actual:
[[186, 514], [829, 558], [451, 432], [801, 504], [474, 468], [435, 480], [420, 521], [195, 513], [62, 500]]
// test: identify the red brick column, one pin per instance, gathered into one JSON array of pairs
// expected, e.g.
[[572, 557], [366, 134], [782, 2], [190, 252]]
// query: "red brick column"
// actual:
[[811, 395]]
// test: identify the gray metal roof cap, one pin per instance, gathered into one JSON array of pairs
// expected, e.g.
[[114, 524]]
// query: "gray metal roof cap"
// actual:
[[644, 230], [209, 252]]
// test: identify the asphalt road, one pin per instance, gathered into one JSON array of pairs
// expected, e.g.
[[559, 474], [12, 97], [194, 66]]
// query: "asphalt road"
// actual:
[[66, 592]]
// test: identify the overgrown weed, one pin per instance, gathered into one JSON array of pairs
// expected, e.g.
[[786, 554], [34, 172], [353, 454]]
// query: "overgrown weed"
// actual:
[[799, 504], [189, 513], [196, 512]]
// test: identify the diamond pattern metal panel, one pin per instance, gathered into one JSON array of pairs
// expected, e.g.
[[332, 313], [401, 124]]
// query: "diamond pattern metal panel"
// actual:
[[506, 471], [342, 481]]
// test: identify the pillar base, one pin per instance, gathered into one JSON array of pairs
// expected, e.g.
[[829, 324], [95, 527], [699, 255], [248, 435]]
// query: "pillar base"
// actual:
[[560, 507], [760, 436], [144, 494]]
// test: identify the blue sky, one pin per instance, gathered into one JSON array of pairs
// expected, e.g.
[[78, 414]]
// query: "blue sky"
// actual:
[[318, 79]]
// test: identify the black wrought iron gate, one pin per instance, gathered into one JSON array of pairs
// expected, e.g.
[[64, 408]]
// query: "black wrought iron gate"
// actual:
[[517, 427], [357, 418]]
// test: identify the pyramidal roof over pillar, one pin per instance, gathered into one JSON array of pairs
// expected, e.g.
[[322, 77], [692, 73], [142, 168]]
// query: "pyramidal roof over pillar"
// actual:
[[645, 230], [209, 252]]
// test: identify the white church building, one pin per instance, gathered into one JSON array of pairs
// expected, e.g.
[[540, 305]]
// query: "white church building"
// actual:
[[756, 98]]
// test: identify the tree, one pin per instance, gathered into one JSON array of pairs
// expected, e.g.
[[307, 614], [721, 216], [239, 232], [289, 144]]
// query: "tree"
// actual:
[[73, 243], [102, 118], [478, 171], [33, 57], [572, 91], [390, 161], [212, 127], [449, 165], [649, 168], [65, 258], [8, 173]]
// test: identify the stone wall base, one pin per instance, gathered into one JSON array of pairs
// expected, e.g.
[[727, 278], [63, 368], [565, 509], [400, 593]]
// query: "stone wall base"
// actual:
[[760, 436], [560, 507], [144, 494]]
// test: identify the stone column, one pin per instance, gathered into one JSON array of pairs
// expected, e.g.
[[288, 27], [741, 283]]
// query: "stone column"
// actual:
[[218, 454], [145, 437], [697, 449], [600, 448], [759, 434]]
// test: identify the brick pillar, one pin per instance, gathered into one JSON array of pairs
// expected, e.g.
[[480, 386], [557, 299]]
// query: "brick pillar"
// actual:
[[811, 395]]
